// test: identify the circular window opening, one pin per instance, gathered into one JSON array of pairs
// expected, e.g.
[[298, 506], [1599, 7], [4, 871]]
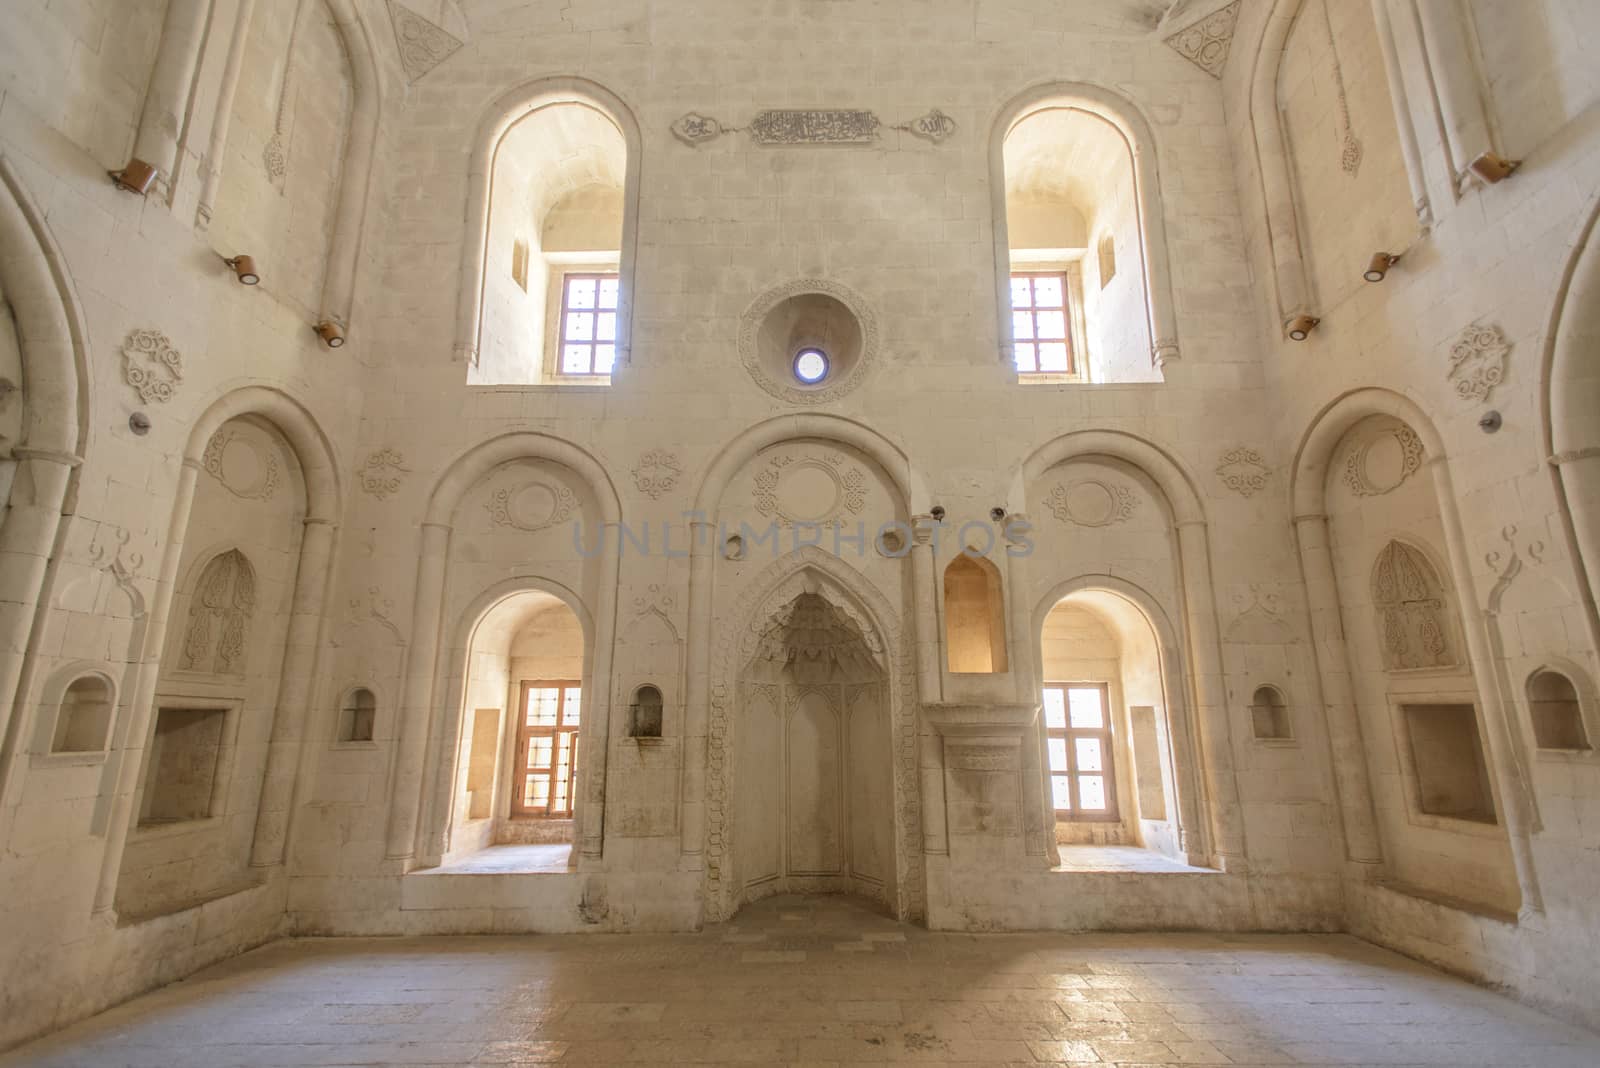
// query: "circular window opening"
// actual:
[[811, 366]]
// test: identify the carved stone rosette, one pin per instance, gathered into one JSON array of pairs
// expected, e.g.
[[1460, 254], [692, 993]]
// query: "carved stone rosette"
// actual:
[[1478, 361], [382, 473], [657, 472], [151, 366], [1243, 470]]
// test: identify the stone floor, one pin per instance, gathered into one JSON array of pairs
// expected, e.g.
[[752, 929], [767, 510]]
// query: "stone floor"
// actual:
[[820, 981]]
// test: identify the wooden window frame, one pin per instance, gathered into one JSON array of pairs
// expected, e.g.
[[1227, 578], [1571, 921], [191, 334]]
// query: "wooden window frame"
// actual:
[[1070, 734], [526, 732], [559, 363], [1067, 309]]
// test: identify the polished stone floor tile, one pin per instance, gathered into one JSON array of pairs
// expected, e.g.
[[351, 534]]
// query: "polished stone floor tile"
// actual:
[[819, 981]]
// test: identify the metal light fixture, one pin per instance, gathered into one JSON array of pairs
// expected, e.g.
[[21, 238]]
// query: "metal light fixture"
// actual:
[[1299, 328], [137, 177], [331, 333], [1379, 266], [1492, 168], [245, 267]]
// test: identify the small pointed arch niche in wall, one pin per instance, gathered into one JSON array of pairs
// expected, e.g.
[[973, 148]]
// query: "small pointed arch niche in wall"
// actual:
[[1412, 609], [974, 616]]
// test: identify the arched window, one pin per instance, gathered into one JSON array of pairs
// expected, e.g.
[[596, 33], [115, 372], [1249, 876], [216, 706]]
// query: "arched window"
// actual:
[[1557, 714], [1269, 715], [83, 721], [974, 616], [644, 713], [1413, 631], [358, 715], [545, 295]]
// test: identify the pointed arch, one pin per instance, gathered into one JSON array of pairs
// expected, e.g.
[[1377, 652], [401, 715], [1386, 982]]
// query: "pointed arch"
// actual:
[[809, 569]]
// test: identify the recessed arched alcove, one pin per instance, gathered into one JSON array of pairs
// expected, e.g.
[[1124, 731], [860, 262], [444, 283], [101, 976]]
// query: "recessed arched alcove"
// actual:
[[974, 616]]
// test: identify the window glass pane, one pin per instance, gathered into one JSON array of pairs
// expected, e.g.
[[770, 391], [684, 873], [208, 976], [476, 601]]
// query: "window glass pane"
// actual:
[[539, 752], [1055, 708], [1085, 705], [605, 328], [580, 327], [608, 292], [542, 706], [575, 359], [604, 357], [580, 293], [1047, 291], [1053, 356], [1088, 753], [1061, 791], [537, 793], [573, 707], [1092, 793], [1052, 324], [1025, 358], [1020, 296], [1021, 325], [1058, 754]]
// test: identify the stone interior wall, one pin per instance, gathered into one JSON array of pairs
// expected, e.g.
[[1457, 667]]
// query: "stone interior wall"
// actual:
[[903, 223]]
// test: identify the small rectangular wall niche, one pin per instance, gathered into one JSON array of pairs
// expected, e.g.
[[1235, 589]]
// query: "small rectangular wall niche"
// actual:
[[1452, 777], [185, 757]]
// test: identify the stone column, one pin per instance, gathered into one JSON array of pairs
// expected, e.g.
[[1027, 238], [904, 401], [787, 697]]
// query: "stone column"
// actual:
[[597, 714], [1038, 817], [1505, 752], [697, 695], [925, 608], [416, 703], [27, 540], [1579, 472], [1447, 39], [141, 707], [216, 151], [166, 100], [1211, 695], [295, 692], [1351, 779], [1400, 100]]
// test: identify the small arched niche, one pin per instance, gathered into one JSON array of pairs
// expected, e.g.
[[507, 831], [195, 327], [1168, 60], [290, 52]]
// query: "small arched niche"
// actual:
[[974, 616], [1269, 716], [358, 715], [1556, 711], [83, 721], [645, 713]]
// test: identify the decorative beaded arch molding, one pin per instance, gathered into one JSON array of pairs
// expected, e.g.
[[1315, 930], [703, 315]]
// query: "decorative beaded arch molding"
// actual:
[[756, 313], [848, 591]]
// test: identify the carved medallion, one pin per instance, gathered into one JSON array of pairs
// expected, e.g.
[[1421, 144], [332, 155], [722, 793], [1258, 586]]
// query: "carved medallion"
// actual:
[[1478, 361], [531, 506], [935, 126], [804, 488], [834, 386], [1092, 502], [151, 365], [1243, 471], [694, 128], [382, 473], [1383, 461], [241, 466], [814, 126], [657, 472]]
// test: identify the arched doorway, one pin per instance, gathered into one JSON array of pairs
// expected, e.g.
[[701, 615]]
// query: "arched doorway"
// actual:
[[813, 804]]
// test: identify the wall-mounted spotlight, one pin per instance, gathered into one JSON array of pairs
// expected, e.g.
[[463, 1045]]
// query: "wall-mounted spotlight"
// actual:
[[331, 333], [1492, 168], [245, 267], [1299, 328], [1379, 266], [937, 511], [137, 177]]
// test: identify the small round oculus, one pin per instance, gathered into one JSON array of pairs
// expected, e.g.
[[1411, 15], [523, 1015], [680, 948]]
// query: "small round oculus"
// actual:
[[810, 366]]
